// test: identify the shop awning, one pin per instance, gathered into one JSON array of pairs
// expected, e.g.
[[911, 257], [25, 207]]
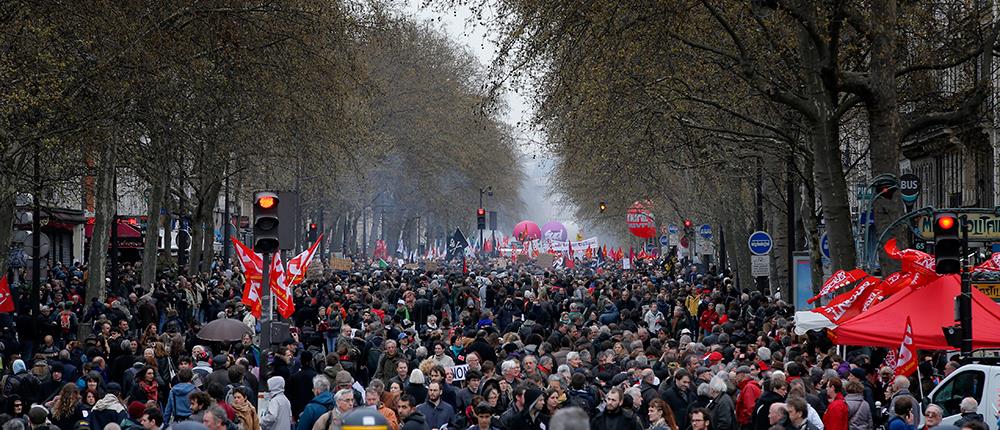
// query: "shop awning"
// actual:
[[125, 230]]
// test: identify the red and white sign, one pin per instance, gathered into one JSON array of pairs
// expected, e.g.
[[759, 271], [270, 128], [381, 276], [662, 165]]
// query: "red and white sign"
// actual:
[[640, 221]]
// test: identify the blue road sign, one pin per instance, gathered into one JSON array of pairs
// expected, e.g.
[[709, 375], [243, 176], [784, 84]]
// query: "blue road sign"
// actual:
[[664, 240], [672, 229], [824, 245], [760, 243], [705, 231]]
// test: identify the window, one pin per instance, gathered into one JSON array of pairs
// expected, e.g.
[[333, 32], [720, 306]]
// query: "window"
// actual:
[[965, 384]]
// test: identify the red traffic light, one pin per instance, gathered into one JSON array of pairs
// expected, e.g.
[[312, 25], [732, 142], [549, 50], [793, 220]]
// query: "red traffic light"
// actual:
[[312, 226], [688, 223], [946, 222], [481, 212], [266, 202]]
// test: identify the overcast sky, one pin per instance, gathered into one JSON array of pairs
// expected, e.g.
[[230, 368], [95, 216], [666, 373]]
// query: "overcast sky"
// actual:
[[536, 192]]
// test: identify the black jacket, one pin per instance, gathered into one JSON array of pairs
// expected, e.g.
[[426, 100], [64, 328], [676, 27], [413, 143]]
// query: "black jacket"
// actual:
[[299, 389], [617, 420], [762, 408], [414, 421], [969, 417], [679, 401]]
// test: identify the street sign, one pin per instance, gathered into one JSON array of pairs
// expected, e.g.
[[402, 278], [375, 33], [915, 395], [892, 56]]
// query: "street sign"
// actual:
[[982, 227], [990, 289], [760, 243], [705, 231], [824, 245], [909, 187], [760, 265], [664, 240], [672, 229]]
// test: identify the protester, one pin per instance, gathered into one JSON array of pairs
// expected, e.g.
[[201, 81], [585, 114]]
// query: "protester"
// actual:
[[502, 347]]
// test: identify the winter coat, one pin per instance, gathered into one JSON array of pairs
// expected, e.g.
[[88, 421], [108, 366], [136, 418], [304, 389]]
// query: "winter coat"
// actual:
[[387, 367], [414, 421], [762, 408], [178, 402], [615, 420], [107, 410], [745, 401], [319, 405], [300, 389], [897, 423], [679, 401], [278, 415], [860, 417], [437, 416], [837, 415], [969, 417], [723, 412]]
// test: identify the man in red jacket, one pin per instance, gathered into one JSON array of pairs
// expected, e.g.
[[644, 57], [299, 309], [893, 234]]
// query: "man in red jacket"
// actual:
[[749, 392], [837, 415]]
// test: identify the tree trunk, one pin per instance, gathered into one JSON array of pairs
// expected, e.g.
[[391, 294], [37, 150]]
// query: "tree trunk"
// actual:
[[884, 125], [203, 226], [103, 214], [149, 248]]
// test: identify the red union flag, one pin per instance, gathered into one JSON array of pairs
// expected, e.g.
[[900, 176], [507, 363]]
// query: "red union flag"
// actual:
[[252, 265], [298, 264], [838, 280], [6, 299], [906, 363], [280, 281]]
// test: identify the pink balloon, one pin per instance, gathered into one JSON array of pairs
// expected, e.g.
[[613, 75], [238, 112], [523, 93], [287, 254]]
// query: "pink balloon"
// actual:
[[527, 230]]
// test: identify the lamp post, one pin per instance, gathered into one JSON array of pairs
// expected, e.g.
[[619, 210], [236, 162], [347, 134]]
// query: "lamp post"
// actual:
[[489, 192]]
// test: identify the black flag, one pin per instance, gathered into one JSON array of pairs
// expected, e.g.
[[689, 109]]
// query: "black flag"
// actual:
[[456, 245]]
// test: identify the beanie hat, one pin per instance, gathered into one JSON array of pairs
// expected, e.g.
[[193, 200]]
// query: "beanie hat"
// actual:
[[531, 395], [19, 366]]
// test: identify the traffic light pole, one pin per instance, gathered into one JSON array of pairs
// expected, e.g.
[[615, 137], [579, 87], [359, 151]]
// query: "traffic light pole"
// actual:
[[965, 298], [265, 318]]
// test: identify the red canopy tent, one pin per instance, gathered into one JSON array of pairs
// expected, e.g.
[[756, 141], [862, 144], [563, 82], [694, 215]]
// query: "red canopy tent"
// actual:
[[930, 308]]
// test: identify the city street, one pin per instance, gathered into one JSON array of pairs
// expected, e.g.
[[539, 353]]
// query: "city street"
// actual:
[[500, 215]]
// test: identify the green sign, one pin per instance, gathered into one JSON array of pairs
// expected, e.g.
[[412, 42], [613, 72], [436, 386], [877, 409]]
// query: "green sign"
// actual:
[[982, 227]]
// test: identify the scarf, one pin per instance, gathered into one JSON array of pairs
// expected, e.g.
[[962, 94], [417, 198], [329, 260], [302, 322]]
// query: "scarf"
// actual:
[[246, 415], [151, 390]]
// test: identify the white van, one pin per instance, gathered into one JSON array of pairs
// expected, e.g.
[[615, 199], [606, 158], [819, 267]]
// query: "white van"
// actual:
[[979, 381]]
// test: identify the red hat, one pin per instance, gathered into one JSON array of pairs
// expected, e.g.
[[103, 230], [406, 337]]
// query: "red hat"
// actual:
[[762, 365], [714, 356]]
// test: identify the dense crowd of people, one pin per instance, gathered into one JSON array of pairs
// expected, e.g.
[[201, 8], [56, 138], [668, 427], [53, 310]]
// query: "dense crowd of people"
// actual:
[[661, 347]]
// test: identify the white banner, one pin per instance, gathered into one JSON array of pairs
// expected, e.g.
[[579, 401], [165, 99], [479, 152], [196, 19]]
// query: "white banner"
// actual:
[[460, 371], [557, 246]]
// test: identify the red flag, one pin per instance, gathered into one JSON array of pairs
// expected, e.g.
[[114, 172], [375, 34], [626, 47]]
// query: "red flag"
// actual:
[[298, 264], [6, 298], [906, 363], [280, 286], [252, 265], [569, 261], [850, 304], [991, 265], [838, 280]]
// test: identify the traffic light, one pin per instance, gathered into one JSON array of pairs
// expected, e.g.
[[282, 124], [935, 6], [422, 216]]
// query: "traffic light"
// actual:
[[602, 207], [265, 222], [313, 229], [947, 244], [481, 218], [688, 224]]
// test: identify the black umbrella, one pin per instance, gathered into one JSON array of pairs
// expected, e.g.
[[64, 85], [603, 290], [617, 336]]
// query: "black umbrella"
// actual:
[[224, 330]]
